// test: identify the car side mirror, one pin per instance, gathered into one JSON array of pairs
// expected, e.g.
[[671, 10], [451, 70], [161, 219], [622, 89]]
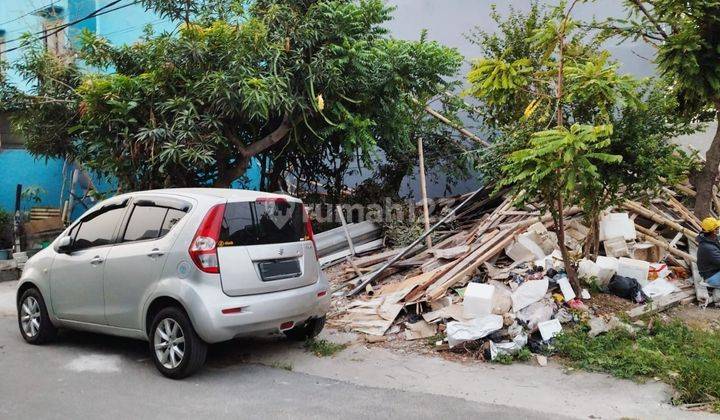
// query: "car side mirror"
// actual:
[[65, 244]]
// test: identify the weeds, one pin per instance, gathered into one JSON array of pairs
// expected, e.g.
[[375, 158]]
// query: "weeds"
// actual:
[[506, 359], [282, 365], [684, 357], [322, 348]]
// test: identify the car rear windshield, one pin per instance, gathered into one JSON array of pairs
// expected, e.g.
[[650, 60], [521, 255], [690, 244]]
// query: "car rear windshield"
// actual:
[[262, 222]]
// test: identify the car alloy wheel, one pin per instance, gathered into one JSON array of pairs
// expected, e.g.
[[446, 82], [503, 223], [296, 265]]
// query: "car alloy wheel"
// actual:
[[30, 316], [169, 343]]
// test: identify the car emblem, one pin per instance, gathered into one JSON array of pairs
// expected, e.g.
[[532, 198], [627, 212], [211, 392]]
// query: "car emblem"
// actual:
[[281, 251]]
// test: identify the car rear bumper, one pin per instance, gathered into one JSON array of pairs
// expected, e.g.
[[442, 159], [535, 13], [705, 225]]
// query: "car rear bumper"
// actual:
[[261, 313]]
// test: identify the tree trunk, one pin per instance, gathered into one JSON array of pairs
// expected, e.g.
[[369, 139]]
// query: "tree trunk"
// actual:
[[247, 152], [569, 269], [707, 177]]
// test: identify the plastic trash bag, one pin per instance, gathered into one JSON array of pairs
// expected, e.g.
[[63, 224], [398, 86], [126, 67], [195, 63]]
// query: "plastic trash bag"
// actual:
[[626, 288], [460, 332]]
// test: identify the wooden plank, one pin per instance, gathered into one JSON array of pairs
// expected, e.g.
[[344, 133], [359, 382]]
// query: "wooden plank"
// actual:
[[648, 214], [659, 305]]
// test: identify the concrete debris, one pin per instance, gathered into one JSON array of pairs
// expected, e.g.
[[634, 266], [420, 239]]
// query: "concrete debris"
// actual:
[[541, 360]]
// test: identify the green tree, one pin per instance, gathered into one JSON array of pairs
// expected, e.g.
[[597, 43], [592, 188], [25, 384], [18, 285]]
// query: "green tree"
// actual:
[[561, 169], [281, 81], [593, 93], [686, 37], [542, 71]]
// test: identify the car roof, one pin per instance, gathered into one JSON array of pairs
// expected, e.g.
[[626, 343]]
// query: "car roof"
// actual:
[[223, 193]]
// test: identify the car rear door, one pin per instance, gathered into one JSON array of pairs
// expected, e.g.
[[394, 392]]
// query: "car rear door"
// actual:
[[76, 277], [136, 261], [263, 247]]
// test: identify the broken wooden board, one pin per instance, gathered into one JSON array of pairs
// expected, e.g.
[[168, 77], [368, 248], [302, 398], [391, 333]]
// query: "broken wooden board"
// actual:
[[420, 329], [450, 253], [659, 304], [372, 317], [454, 311]]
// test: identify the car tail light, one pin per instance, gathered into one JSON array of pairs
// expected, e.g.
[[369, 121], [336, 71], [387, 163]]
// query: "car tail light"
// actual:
[[203, 248], [309, 235]]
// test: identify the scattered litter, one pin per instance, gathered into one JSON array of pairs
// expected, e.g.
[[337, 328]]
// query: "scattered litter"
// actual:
[[566, 289], [659, 287], [528, 293], [549, 329]]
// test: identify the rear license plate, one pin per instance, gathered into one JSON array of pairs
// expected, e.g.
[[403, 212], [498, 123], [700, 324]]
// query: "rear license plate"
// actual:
[[279, 269]]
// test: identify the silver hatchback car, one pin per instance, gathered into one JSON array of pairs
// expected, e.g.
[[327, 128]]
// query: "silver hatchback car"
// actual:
[[180, 268]]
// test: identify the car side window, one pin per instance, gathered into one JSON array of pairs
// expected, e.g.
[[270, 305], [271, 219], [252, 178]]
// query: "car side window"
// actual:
[[97, 230], [171, 219], [145, 223], [151, 222]]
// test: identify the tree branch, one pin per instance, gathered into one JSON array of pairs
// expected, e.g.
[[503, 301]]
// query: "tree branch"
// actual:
[[649, 16]]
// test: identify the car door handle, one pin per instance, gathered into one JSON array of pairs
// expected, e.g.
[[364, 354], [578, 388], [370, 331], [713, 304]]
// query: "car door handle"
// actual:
[[96, 261], [155, 253]]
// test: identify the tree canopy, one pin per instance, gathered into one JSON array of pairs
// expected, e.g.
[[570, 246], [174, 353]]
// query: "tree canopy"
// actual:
[[285, 80], [686, 38]]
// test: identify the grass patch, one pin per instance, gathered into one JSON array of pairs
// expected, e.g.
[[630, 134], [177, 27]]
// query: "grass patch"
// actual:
[[506, 359], [684, 357], [323, 348], [282, 365]]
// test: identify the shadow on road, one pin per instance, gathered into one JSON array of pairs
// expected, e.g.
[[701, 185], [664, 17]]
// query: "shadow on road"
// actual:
[[221, 355]]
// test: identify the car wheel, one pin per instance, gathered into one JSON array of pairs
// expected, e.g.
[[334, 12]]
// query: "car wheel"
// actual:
[[309, 329], [33, 319], [177, 350]]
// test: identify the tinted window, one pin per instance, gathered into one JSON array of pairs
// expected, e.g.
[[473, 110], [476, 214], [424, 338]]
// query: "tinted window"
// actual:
[[145, 223], [98, 230], [173, 216], [252, 223]]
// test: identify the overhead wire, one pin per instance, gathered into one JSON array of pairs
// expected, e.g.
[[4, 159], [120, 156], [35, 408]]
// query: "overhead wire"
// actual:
[[32, 12], [98, 12]]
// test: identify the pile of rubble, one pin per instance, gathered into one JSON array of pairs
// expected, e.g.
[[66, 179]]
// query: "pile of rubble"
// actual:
[[497, 282]]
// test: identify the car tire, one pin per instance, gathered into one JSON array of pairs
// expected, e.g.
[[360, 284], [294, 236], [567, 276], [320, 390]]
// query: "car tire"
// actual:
[[176, 349], [33, 319], [309, 329]]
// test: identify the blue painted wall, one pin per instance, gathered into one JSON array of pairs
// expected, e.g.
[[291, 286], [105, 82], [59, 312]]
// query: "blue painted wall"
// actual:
[[122, 26], [18, 167]]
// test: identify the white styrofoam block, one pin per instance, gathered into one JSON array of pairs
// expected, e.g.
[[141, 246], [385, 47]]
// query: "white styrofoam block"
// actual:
[[607, 267], [529, 292], [477, 300], [549, 329], [566, 289], [636, 269], [617, 224], [587, 269]]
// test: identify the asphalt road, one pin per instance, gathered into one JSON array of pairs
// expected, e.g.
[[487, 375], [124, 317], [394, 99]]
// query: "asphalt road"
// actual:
[[87, 376]]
